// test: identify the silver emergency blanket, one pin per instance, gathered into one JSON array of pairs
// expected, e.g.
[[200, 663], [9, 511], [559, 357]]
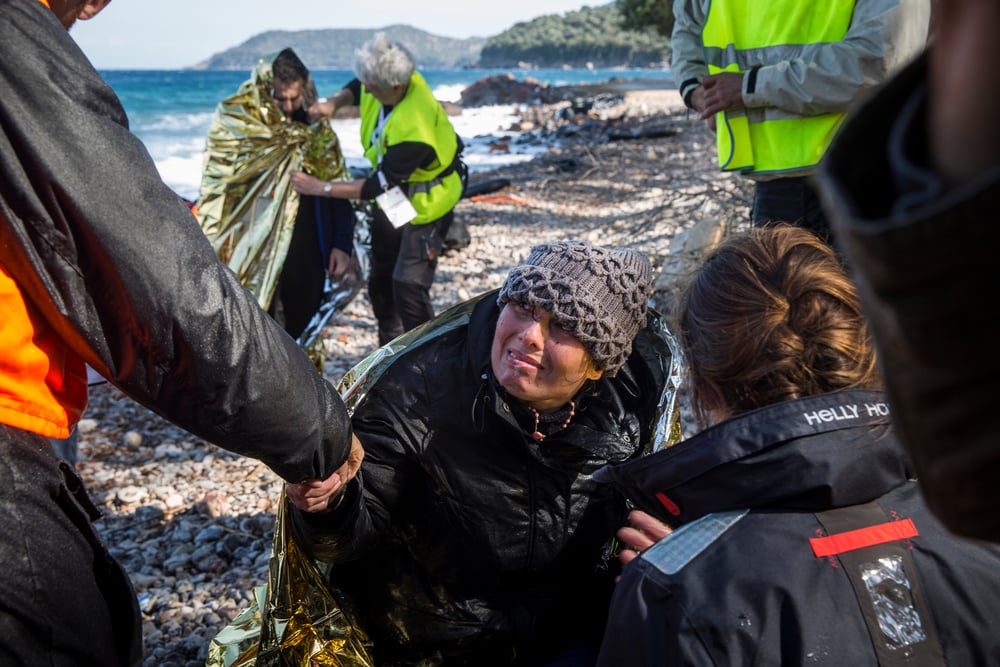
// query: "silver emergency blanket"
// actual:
[[246, 205]]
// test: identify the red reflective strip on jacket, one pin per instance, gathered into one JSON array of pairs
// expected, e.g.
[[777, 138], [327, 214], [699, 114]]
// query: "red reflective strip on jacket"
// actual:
[[668, 503], [891, 531]]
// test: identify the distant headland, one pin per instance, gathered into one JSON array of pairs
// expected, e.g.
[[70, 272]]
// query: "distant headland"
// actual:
[[590, 37]]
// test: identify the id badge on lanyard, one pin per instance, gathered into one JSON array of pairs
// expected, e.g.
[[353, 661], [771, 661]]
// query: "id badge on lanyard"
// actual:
[[394, 204]]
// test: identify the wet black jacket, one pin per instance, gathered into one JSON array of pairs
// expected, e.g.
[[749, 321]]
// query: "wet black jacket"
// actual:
[[114, 262], [753, 575], [462, 537], [925, 260]]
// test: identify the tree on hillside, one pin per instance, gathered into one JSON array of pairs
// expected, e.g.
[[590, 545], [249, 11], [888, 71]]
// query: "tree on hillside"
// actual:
[[591, 35], [642, 15]]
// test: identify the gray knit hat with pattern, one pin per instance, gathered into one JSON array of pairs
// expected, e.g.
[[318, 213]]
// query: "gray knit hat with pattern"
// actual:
[[596, 294]]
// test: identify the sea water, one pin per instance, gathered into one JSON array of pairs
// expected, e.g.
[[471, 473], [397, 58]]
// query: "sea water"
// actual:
[[171, 111]]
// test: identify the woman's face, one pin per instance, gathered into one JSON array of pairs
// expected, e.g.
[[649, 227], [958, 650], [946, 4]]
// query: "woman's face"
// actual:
[[535, 360]]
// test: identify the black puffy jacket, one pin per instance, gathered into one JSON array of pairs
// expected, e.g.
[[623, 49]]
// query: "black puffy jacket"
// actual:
[[464, 540]]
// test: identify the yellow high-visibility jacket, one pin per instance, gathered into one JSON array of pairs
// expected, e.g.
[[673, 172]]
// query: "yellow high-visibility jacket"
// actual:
[[804, 64]]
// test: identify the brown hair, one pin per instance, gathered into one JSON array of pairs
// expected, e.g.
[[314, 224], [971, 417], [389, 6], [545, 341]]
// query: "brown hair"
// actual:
[[771, 316], [288, 68]]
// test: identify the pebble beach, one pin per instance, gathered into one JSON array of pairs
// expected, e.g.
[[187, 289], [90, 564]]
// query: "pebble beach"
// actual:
[[192, 523]]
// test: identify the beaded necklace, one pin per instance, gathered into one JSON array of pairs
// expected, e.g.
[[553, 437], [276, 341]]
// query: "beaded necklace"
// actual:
[[538, 435]]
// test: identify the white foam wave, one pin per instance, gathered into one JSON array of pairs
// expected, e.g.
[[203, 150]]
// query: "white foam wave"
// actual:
[[182, 174], [451, 93], [172, 122], [165, 147]]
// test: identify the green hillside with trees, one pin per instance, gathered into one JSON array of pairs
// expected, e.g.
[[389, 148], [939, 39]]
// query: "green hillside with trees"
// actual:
[[643, 15], [591, 36], [623, 33]]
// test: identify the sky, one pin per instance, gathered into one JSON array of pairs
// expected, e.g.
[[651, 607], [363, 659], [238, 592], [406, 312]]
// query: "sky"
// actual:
[[133, 34]]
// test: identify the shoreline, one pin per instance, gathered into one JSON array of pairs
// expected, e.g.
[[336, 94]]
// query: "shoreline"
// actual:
[[617, 85]]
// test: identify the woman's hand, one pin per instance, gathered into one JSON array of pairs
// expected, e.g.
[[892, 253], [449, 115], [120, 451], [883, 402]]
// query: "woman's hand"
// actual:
[[305, 184], [341, 267], [318, 495], [314, 495], [644, 530]]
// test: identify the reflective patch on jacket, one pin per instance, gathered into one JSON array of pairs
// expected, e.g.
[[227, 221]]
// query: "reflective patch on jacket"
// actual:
[[680, 547]]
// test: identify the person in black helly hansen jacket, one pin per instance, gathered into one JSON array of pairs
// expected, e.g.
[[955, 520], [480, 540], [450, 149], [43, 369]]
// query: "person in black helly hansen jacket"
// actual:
[[799, 535]]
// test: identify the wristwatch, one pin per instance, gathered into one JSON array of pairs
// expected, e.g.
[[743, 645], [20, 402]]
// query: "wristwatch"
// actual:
[[327, 187]]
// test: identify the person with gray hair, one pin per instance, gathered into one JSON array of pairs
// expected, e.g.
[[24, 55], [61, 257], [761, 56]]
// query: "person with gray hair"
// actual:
[[474, 532], [417, 178], [384, 64]]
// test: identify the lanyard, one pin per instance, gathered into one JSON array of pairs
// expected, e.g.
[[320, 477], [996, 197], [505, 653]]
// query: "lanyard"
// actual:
[[378, 134]]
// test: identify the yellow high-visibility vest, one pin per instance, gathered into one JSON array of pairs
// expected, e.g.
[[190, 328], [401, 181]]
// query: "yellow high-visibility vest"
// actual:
[[740, 35], [434, 190]]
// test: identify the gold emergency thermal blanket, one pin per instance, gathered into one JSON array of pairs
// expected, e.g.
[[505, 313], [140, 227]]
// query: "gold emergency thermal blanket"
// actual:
[[296, 621], [246, 205]]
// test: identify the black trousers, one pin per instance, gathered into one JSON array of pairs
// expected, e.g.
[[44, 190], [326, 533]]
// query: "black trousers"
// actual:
[[64, 600], [791, 200], [300, 288], [403, 262]]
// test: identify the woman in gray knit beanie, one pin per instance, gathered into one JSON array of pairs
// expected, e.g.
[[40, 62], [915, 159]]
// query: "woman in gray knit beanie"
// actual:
[[481, 432], [568, 295]]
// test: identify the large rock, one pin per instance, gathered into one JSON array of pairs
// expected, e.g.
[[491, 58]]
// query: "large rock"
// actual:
[[687, 250], [504, 89], [584, 97]]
